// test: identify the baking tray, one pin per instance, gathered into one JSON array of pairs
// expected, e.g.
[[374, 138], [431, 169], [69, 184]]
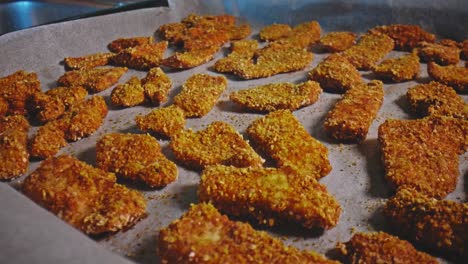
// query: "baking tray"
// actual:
[[357, 179]]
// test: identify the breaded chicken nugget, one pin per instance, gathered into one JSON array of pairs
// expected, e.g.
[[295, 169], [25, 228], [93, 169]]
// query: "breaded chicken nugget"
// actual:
[[439, 53], [302, 36], [352, 115], [436, 99], [406, 37], [135, 157], [436, 224], [337, 41], [68, 95], [452, 75], [239, 32], [423, 154], [194, 19], [49, 138], [94, 80], [335, 74], [173, 32], [166, 121], [399, 69], [202, 37], [17, 89], [190, 59], [142, 57], [47, 107], [128, 94], [86, 117], [242, 52], [86, 197], [88, 61], [156, 86], [219, 143], [274, 31], [124, 43], [203, 235], [14, 155], [275, 96], [199, 94], [450, 43], [3, 106], [270, 196], [281, 136], [380, 247]]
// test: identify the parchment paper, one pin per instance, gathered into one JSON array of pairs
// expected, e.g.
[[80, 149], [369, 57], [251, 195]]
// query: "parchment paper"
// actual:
[[357, 179]]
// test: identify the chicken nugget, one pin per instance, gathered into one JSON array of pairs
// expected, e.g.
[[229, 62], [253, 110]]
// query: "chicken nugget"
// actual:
[[450, 43], [49, 138], [3, 106], [156, 86], [190, 59], [423, 154], [199, 94], [198, 38], [88, 61], [203, 235], [275, 96], [219, 143], [135, 157], [142, 57], [274, 32], [47, 107], [440, 225], [335, 74], [94, 80], [14, 155], [436, 99], [439, 53], [337, 41], [173, 32], [399, 69], [270, 196], [239, 32], [128, 94], [166, 121], [380, 247], [282, 137], [242, 52], [302, 36], [352, 115], [452, 75], [87, 198], [17, 89], [68, 95], [124, 43], [86, 118], [406, 37]]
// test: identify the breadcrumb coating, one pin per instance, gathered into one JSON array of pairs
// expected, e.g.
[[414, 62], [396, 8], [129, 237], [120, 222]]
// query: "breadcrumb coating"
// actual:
[[336, 74], [199, 94], [450, 43], [202, 37], [435, 224], [120, 44], [464, 51], [87, 61], [423, 154], [86, 118], [135, 157], [16, 89], [14, 155], [282, 137], [166, 121], [436, 99], [156, 85], [173, 32], [203, 235], [3, 106], [218, 143], [94, 80], [239, 32], [380, 247], [47, 108], [439, 53], [274, 32], [275, 96], [452, 75], [302, 36], [399, 69], [406, 37], [68, 95], [337, 41], [242, 52], [85, 197], [270, 196], [349, 120], [190, 59], [142, 57], [128, 94], [49, 139]]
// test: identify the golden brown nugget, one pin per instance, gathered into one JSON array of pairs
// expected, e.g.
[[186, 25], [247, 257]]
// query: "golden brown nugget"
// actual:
[[94, 80], [406, 37], [124, 43], [242, 52], [275, 96], [337, 41], [436, 224], [88, 61], [47, 108], [270, 196], [335, 74], [202, 37], [190, 59], [302, 36], [239, 32], [166, 121], [68, 95], [436, 99], [17, 89], [282, 137], [142, 57], [49, 139], [194, 19], [128, 94], [423, 154], [173, 32], [135, 157], [380, 247], [399, 69], [452, 75], [349, 120], [156, 86], [274, 32], [369, 50], [450, 43], [439, 53], [85, 197], [203, 235], [219, 143], [85, 118], [3, 106], [199, 94], [14, 155]]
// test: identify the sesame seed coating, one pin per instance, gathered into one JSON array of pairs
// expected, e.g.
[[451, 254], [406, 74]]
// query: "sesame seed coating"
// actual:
[[166, 121], [142, 57], [301, 36], [156, 85], [337, 41], [399, 69], [242, 52], [439, 53], [16, 90], [190, 59], [128, 94], [452, 75], [406, 37], [124, 43], [274, 32], [87, 61], [94, 80], [14, 155]]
